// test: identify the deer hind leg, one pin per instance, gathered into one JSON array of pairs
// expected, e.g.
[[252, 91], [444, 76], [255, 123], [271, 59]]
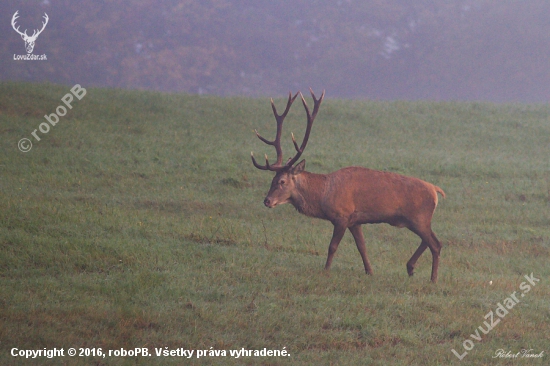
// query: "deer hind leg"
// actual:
[[337, 236], [357, 233], [436, 250], [412, 262], [429, 240]]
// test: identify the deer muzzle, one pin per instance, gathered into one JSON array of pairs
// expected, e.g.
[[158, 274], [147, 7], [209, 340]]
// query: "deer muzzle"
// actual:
[[270, 203]]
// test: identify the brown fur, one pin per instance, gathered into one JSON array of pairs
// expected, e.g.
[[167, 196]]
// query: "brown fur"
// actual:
[[354, 196]]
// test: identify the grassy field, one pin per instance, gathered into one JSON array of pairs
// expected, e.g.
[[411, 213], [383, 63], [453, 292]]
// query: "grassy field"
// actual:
[[137, 222]]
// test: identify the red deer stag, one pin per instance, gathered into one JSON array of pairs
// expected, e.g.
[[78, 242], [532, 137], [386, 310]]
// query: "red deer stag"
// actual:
[[352, 196]]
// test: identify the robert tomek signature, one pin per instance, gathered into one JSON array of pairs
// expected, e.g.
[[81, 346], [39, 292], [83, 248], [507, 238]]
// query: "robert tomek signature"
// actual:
[[524, 353]]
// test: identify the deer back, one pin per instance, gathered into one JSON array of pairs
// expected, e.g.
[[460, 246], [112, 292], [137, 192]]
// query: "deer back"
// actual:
[[362, 195]]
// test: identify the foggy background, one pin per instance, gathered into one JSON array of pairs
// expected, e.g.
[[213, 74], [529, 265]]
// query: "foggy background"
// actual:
[[379, 49]]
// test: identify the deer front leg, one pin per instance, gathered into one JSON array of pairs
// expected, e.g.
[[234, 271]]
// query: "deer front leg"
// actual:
[[337, 236], [357, 233]]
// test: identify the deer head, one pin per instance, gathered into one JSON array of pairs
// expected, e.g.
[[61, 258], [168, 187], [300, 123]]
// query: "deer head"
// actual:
[[29, 40], [283, 184]]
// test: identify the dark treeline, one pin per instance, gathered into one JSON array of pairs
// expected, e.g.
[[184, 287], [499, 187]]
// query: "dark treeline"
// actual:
[[393, 49]]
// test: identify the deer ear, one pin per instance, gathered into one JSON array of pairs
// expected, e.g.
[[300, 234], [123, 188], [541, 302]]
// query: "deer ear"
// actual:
[[299, 168]]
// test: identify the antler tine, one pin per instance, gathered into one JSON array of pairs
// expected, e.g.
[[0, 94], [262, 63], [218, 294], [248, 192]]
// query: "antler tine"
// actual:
[[13, 20], [288, 104], [262, 167], [310, 119], [46, 18], [316, 102], [277, 142], [263, 139]]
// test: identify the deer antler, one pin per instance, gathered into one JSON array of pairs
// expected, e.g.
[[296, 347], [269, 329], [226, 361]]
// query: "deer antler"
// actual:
[[277, 142], [46, 18], [310, 119], [24, 34], [13, 19]]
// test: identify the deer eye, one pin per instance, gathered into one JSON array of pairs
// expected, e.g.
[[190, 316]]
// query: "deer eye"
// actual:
[[282, 182]]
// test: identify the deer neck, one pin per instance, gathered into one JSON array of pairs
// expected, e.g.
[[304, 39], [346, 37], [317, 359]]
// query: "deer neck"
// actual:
[[310, 189]]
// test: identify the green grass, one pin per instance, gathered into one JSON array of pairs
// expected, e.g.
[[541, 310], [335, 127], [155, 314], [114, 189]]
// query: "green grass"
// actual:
[[137, 221]]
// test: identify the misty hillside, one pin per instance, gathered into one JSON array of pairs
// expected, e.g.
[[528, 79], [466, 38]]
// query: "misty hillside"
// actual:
[[395, 49]]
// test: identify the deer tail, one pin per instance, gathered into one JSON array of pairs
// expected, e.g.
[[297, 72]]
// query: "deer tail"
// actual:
[[440, 191]]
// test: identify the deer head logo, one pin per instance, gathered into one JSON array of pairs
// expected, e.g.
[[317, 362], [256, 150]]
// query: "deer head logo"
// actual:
[[29, 40]]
